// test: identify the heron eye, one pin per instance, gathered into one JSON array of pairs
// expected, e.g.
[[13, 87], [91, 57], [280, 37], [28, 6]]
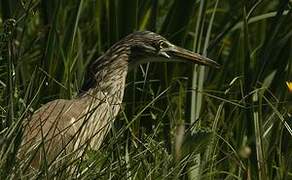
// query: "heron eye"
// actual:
[[163, 44]]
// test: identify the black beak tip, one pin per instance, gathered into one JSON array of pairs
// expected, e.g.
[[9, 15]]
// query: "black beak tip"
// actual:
[[212, 63], [217, 65]]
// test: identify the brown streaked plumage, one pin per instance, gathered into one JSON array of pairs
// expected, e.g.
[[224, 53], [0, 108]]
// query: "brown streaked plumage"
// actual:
[[62, 127]]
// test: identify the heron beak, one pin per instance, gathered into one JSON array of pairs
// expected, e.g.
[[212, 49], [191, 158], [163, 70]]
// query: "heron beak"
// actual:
[[181, 54]]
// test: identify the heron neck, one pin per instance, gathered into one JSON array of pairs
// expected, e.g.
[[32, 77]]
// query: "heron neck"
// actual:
[[111, 71]]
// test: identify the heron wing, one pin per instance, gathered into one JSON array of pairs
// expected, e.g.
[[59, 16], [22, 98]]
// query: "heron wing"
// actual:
[[51, 128]]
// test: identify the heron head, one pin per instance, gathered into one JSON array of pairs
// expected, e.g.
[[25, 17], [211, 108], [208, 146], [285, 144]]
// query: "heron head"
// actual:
[[147, 46], [138, 48]]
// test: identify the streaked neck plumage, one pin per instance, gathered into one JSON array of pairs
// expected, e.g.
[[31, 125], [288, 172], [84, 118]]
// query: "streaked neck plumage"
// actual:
[[109, 74]]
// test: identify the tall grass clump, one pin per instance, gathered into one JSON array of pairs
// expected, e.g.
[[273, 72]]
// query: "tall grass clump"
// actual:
[[177, 121]]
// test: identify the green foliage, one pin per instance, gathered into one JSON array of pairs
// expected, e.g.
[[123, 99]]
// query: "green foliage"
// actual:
[[161, 133]]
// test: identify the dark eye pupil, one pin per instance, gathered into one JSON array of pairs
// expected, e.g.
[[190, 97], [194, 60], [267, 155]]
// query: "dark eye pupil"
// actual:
[[163, 45]]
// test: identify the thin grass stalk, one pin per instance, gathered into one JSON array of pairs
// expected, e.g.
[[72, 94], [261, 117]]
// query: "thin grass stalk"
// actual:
[[10, 81], [69, 42], [195, 89], [211, 148], [211, 151], [247, 88], [10, 144], [197, 86], [258, 137]]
